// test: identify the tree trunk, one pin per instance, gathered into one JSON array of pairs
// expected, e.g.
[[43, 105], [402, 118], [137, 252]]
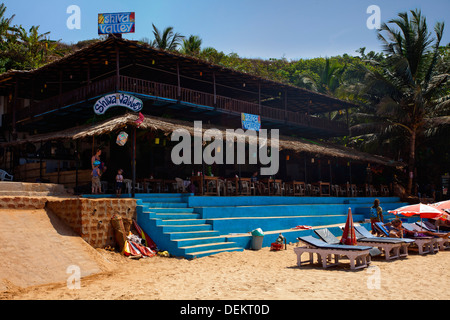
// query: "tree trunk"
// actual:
[[412, 160]]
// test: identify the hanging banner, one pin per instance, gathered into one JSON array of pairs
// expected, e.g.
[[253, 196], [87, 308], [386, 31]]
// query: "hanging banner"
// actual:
[[122, 22], [117, 100], [251, 121]]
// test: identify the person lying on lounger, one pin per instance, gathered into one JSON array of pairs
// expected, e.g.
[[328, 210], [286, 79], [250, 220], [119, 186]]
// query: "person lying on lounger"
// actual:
[[398, 231]]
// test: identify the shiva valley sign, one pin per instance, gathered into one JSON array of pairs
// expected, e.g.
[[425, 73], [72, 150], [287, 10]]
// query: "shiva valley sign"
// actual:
[[122, 22], [117, 100], [250, 121]]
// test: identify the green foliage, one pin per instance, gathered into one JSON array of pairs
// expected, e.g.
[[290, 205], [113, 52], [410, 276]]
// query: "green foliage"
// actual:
[[24, 49]]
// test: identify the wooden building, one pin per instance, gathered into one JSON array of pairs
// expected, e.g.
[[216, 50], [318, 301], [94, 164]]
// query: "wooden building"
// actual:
[[49, 129]]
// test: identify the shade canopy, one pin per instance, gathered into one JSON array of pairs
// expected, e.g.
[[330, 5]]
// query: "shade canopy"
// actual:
[[444, 206], [118, 123], [423, 210]]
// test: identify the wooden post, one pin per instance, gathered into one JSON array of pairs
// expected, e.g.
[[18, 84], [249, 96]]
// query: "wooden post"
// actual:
[[306, 180], [16, 89], [60, 90], [40, 163], [179, 81], [117, 69], [76, 163], [285, 106], [32, 98], [214, 84], [259, 99], [88, 81], [133, 164]]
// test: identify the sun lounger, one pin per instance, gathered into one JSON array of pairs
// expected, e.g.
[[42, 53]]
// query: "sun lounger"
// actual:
[[392, 247], [442, 242], [329, 238], [378, 226], [424, 244], [428, 226], [439, 242], [358, 255]]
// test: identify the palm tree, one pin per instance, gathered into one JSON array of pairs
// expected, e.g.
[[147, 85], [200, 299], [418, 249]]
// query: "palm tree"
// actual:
[[191, 46], [5, 24], [39, 49], [167, 39], [327, 79], [409, 93]]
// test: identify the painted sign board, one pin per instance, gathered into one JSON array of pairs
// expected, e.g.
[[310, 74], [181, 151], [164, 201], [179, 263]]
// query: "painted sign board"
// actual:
[[117, 100], [251, 121], [122, 22]]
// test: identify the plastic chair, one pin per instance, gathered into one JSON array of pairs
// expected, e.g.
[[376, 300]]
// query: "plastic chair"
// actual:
[[5, 176]]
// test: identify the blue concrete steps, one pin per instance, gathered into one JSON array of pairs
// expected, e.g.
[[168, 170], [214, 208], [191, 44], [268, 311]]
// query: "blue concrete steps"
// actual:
[[176, 228], [190, 235], [185, 221], [192, 226], [184, 228]]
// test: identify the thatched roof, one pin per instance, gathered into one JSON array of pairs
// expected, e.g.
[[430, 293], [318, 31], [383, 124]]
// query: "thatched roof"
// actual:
[[297, 145]]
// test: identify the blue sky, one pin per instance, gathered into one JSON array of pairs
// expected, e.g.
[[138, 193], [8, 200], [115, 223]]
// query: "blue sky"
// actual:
[[264, 29]]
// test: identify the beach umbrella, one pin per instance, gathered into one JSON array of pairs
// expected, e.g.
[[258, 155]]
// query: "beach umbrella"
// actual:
[[349, 236], [423, 210], [444, 206]]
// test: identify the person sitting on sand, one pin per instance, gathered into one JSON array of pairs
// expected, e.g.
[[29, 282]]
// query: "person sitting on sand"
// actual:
[[397, 231]]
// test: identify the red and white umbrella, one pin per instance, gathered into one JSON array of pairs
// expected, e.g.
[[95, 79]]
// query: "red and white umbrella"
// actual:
[[444, 206], [423, 210], [349, 236]]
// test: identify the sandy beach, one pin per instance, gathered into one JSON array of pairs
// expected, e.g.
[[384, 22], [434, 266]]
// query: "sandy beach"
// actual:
[[248, 275]]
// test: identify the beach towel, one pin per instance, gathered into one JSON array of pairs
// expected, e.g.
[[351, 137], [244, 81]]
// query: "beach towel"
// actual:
[[148, 241], [130, 250], [303, 227], [145, 251]]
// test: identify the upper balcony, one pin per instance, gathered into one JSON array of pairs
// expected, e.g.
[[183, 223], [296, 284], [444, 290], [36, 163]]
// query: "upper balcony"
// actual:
[[170, 95], [168, 83]]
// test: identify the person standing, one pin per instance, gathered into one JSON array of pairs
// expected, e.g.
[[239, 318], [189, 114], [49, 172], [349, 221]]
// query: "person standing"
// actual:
[[119, 182], [96, 174], [376, 214]]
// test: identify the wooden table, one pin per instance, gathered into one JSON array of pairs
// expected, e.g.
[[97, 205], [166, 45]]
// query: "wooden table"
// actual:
[[352, 190], [207, 179], [270, 184], [156, 184], [169, 185], [299, 188], [237, 183], [324, 188]]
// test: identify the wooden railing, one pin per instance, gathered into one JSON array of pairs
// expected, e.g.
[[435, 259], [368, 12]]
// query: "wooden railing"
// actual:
[[179, 94]]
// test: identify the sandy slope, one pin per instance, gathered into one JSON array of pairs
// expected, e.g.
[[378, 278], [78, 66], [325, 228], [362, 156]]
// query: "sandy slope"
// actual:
[[37, 248]]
